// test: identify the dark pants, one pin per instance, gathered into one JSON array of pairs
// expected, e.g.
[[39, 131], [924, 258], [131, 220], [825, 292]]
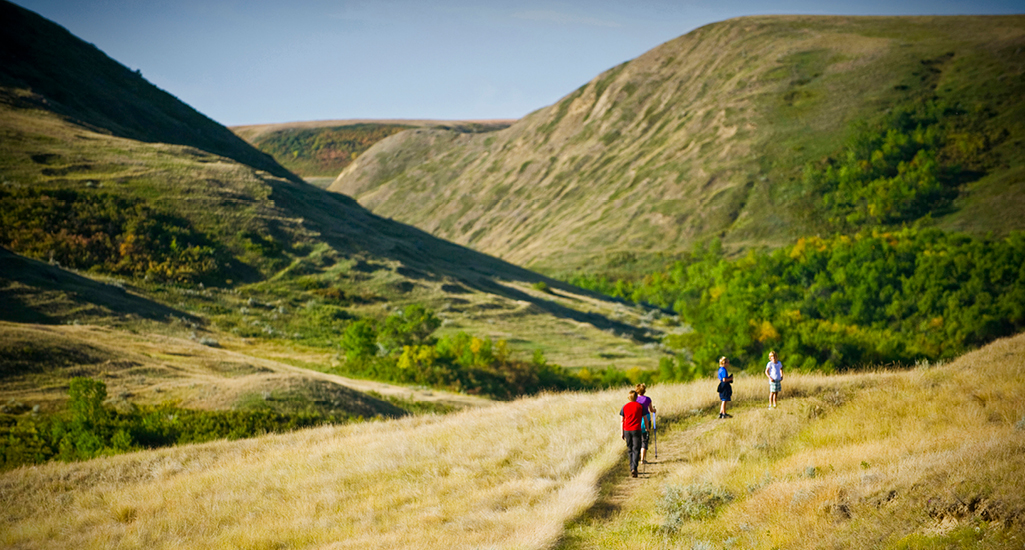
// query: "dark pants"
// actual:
[[633, 447]]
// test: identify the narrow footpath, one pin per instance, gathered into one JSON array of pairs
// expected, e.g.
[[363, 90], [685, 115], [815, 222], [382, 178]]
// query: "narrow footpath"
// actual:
[[671, 445], [618, 489]]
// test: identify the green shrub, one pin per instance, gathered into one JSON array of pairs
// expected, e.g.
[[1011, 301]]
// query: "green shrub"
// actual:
[[87, 230], [693, 502], [89, 428]]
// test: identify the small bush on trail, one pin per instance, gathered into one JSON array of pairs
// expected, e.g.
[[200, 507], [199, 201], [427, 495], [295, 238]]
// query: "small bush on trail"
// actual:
[[693, 502]]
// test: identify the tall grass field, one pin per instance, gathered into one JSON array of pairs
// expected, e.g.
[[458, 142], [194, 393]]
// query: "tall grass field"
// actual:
[[929, 457]]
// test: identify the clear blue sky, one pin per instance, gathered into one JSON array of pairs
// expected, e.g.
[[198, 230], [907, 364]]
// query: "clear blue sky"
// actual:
[[248, 62]]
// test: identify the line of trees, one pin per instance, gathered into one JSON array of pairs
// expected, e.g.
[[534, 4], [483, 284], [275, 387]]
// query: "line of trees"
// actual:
[[827, 304]]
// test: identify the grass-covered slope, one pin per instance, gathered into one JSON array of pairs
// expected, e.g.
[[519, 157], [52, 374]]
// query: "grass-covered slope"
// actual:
[[321, 149], [923, 458], [245, 253], [74, 79], [36, 362], [709, 135], [160, 238]]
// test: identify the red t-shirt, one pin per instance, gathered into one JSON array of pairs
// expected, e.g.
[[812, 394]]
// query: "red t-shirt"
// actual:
[[632, 413]]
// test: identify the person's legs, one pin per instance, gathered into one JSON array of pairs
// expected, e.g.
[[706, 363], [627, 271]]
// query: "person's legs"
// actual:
[[633, 449], [644, 446], [772, 399]]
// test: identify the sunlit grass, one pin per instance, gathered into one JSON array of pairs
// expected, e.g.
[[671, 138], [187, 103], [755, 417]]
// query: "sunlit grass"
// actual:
[[929, 457], [920, 458], [467, 480]]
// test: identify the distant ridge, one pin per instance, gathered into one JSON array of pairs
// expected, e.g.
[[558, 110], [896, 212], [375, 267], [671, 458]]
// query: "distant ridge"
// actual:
[[251, 132], [321, 149]]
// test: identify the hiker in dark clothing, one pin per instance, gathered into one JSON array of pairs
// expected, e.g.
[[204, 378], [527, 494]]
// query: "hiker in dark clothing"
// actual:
[[632, 413], [725, 388]]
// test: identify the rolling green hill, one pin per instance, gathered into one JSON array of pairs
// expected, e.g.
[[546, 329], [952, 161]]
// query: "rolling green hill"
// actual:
[[125, 211], [711, 135], [159, 290]]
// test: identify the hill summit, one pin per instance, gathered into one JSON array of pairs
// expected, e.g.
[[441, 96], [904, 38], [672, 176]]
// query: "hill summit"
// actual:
[[710, 135]]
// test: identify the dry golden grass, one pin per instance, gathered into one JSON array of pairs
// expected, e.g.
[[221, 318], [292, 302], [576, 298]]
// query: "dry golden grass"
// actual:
[[921, 458], [930, 457], [475, 479]]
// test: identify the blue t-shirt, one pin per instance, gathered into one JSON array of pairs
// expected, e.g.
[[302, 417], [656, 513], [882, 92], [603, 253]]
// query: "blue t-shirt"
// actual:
[[723, 374]]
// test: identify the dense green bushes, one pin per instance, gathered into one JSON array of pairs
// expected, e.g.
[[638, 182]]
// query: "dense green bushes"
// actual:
[[838, 303], [909, 165], [90, 229], [89, 428], [401, 349]]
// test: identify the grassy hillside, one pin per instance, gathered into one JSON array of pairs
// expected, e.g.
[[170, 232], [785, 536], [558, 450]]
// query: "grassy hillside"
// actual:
[[708, 135], [36, 362], [321, 149], [922, 458], [164, 240]]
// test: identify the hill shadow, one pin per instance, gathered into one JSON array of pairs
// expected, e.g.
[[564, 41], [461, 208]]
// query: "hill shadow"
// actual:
[[24, 282], [349, 227]]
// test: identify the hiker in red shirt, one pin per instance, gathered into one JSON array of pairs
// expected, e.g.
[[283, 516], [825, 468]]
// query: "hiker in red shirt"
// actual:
[[632, 413]]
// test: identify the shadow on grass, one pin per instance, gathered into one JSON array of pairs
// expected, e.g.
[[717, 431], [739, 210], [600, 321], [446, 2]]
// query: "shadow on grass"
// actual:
[[32, 291], [350, 229]]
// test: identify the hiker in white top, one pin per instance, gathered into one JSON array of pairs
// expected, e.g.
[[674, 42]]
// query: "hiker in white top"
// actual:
[[774, 370]]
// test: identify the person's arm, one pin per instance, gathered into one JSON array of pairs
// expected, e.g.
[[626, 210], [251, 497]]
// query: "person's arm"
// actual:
[[768, 370]]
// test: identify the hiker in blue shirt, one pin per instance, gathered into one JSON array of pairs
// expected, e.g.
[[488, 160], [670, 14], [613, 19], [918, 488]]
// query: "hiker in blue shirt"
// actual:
[[725, 386]]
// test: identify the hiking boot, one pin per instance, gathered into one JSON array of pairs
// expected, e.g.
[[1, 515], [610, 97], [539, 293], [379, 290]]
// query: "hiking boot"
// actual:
[[633, 473]]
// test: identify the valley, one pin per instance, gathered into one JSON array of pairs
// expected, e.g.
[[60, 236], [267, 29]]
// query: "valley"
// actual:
[[417, 333]]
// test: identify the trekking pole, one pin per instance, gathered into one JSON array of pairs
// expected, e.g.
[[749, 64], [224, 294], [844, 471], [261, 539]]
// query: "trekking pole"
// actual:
[[654, 436]]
